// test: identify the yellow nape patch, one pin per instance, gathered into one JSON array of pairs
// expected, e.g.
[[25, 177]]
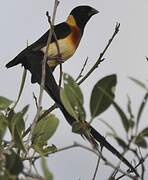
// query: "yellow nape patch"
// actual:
[[71, 21]]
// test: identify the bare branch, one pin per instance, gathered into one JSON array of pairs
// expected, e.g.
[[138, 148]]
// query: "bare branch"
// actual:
[[97, 165], [81, 72], [100, 59], [43, 69], [40, 118], [96, 152]]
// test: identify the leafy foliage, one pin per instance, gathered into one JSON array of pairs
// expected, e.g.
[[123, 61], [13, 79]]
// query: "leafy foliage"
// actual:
[[99, 102], [14, 164], [43, 131], [3, 125], [72, 98], [47, 174], [14, 151], [4, 103], [102, 97]]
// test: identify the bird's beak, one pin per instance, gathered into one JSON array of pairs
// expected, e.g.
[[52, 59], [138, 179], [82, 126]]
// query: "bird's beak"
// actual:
[[93, 12]]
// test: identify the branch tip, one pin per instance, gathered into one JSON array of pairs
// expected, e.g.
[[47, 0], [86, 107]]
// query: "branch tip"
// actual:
[[117, 27]]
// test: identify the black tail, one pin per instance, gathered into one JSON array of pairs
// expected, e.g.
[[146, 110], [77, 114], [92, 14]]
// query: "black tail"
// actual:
[[18, 59], [33, 64], [12, 63], [53, 90]]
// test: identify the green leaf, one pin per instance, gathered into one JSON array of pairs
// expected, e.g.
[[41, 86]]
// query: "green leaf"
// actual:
[[44, 129], [17, 127], [120, 141], [43, 149], [131, 123], [68, 80], [141, 142], [17, 137], [142, 106], [129, 109], [144, 133], [21, 87], [3, 125], [4, 177], [47, 174], [16, 120], [108, 125], [114, 134], [112, 178], [4, 103], [81, 128], [140, 83], [14, 164], [72, 98], [99, 102], [121, 113], [67, 104], [124, 119]]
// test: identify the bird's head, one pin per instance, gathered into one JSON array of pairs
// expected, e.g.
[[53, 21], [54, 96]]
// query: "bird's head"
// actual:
[[82, 14]]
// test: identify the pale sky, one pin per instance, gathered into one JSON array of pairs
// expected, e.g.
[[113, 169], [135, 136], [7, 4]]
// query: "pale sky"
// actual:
[[25, 20]]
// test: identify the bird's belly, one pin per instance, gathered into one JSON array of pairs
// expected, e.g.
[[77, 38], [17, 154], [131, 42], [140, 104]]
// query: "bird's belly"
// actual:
[[66, 48]]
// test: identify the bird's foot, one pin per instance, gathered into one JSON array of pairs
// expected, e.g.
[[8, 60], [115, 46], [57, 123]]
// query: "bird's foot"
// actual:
[[58, 58]]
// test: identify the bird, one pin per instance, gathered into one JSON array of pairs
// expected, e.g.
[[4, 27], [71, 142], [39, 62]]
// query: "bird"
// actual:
[[68, 35]]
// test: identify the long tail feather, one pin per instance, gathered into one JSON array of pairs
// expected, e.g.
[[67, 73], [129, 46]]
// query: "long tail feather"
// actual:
[[18, 59], [53, 90]]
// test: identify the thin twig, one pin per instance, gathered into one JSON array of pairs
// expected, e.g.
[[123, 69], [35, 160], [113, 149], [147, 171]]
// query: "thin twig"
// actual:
[[44, 70], [114, 173], [97, 165], [36, 100], [21, 87], [59, 58], [33, 176], [100, 59], [141, 161], [129, 171], [61, 73], [97, 153], [48, 111], [40, 118], [81, 72], [51, 32], [142, 164], [74, 145]]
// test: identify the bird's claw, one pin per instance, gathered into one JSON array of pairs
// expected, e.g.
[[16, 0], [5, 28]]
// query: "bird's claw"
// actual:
[[58, 58]]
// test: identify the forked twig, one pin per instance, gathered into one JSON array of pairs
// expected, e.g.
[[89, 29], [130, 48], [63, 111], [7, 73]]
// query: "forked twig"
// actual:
[[100, 59], [81, 72]]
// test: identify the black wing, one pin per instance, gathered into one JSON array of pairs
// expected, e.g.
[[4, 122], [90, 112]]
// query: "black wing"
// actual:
[[61, 30]]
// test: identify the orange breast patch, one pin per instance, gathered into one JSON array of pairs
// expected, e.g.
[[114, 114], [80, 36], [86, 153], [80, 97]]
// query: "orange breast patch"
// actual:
[[67, 45], [75, 36]]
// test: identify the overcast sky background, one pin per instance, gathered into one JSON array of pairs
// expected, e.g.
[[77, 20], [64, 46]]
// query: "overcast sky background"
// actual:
[[25, 20]]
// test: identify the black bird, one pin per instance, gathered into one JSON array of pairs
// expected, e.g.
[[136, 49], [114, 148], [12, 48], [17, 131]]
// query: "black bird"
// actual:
[[68, 36]]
